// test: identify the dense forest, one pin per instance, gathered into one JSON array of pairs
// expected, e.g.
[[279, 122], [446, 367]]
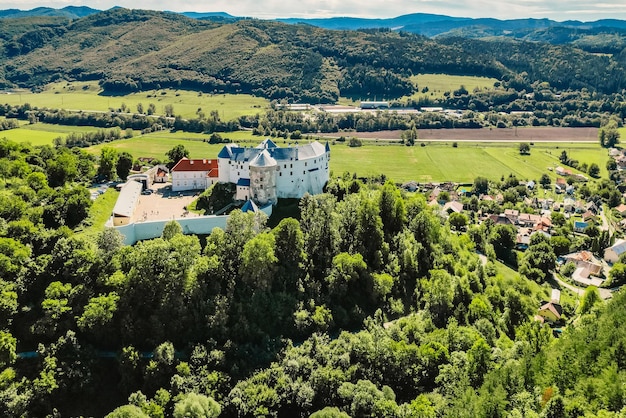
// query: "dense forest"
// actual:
[[140, 50], [368, 304]]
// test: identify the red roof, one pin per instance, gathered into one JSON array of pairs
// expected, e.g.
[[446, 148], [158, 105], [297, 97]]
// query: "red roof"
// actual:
[[195, 165]]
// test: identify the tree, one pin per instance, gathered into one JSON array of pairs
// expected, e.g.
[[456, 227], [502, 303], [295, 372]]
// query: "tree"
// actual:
[[124, 165], [560, 244], [194, 405], [151, 109], [409, 137], [594, 170], [564, 159], [524, 148], [609, 135], [481, 185], [617, 274], [127, 411], [171, 229], [329, 412], [457, 220], [611, 165], [591, 297], [169, 110], [140, 108], [258, 261], [176, 154], [503, 238], [108, 162], [545, 181]]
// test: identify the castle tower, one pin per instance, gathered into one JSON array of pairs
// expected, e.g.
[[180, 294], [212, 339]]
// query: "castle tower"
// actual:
[[263, 178]]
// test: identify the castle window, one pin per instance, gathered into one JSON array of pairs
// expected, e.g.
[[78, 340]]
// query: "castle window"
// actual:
[[305, 163], [290, 165], [280, 174], [291, 173]]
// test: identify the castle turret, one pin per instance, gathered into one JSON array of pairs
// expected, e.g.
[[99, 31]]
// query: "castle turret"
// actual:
[[263, 178]]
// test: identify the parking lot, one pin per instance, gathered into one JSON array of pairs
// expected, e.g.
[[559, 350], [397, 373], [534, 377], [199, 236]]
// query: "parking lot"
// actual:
[[164, 204]]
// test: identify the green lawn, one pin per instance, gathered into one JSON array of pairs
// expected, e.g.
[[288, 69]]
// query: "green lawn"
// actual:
[[89, 96]]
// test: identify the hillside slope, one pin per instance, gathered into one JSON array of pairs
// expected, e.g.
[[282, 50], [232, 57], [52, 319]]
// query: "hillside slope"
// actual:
[[137, 50]]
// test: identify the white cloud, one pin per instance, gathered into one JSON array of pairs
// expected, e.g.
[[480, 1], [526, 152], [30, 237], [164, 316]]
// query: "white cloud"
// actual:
[[556, 9]]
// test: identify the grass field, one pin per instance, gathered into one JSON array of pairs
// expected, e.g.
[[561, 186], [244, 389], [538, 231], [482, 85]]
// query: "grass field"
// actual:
[[440, 162], [42, 133], [438, 84], [89, 96]]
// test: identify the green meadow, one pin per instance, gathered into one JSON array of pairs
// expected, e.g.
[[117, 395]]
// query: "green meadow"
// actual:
[[438, 84], [89, 96], [441, 162], [43, 133]]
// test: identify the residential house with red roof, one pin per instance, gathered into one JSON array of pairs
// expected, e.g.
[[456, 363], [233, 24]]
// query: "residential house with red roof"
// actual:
[[197, 174]]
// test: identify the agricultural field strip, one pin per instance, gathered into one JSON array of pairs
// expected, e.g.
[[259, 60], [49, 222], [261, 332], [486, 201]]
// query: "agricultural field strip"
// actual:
[[87, 95]]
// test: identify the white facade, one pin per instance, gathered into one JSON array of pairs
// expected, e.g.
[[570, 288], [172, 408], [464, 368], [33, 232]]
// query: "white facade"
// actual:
[[275, 172], [194, 174], [612, 253]]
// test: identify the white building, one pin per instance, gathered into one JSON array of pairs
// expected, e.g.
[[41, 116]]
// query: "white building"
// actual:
[[268, 172], [612, 253], [194, 174], [126, 203]]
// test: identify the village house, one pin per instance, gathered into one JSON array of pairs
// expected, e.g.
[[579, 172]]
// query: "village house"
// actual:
[[612, 253], [550, 311], [621, 209], [560, 171], [453, 206], [588, 268]]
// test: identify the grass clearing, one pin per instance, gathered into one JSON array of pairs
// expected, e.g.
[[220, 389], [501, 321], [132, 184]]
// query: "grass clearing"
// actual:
[[89, 96], [438, 84], [43, 133]]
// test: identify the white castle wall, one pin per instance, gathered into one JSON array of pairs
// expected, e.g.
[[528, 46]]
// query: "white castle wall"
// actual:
[[201, 225]]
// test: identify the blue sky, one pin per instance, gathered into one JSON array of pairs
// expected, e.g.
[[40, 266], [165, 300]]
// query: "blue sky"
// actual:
[[584, 10]]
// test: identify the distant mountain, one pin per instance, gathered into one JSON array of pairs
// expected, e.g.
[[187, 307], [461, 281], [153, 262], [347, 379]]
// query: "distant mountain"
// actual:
[[205, 15], [433, 25], [72, 12], [353, 23]]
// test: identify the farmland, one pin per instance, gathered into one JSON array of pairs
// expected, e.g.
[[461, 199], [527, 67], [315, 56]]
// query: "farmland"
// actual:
[[438, 84], [88, 96]]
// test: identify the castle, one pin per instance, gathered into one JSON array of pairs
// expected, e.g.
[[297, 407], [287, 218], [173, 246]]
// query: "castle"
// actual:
[[262, 174], [268, 172]]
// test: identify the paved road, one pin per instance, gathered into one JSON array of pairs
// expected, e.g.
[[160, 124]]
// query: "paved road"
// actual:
[[604, 293]]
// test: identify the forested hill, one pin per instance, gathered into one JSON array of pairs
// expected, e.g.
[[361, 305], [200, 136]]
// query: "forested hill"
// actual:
[[138, 50]]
